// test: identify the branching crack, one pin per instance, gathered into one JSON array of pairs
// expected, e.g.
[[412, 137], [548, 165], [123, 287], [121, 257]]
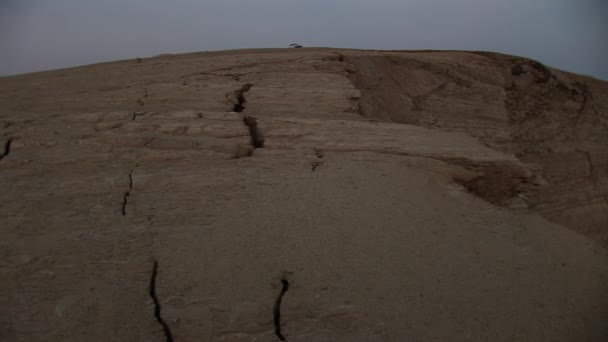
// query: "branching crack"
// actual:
[[157, 306], [277, 309], [127, 194], [239, 106], [7, 148]]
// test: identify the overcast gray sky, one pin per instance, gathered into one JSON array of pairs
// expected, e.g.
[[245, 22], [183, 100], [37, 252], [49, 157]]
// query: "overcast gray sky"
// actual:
[[47, 34]]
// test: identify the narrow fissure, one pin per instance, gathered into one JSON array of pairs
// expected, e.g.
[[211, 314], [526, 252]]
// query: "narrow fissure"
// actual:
[[239, 106], [126, 195], [125, 199], [7, 149], [277, 309], [157, 306]]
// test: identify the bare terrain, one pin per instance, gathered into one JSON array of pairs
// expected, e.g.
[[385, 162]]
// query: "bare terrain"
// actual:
[[304, 195]]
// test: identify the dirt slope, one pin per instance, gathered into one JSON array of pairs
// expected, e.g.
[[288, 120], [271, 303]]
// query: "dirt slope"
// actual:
[[304, 195]]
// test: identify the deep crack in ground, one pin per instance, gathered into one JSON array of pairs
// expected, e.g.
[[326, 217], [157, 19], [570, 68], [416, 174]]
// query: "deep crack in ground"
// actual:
[[277, 309], [315, 164], [127, 194], [157, 306], [257, 139], [239, 106], [7, 148], [136, 114]]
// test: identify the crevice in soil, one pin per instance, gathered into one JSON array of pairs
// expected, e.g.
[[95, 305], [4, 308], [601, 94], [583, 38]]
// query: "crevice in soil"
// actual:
[[136, 114], [239, 106], [277, 309], [149, 141], [157, 306], [257, 138], [318, 162], [127, 194], [7, 148], [319, 153]]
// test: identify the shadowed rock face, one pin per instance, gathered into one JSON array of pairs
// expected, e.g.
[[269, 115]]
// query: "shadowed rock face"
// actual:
[[304, 195]]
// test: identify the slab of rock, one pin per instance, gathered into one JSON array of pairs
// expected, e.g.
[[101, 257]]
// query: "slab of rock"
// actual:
[[304, 195]]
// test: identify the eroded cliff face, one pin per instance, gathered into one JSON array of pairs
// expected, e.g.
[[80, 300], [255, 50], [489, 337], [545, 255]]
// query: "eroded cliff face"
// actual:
[[556, 124], [304, 195]]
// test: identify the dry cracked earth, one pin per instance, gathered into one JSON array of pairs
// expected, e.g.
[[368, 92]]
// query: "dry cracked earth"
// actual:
[[304, 195]]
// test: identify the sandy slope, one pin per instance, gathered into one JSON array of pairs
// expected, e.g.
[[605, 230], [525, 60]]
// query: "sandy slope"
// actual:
[[376, 196]]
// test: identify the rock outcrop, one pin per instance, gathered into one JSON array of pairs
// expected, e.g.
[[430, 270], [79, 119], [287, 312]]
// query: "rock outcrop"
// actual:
[[304, 195]]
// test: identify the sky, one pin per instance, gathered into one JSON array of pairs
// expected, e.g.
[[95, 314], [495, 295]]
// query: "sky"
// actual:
[[48, 34]]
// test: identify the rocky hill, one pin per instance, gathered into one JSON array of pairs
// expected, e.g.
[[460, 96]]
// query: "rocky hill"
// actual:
[[304, 195]]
